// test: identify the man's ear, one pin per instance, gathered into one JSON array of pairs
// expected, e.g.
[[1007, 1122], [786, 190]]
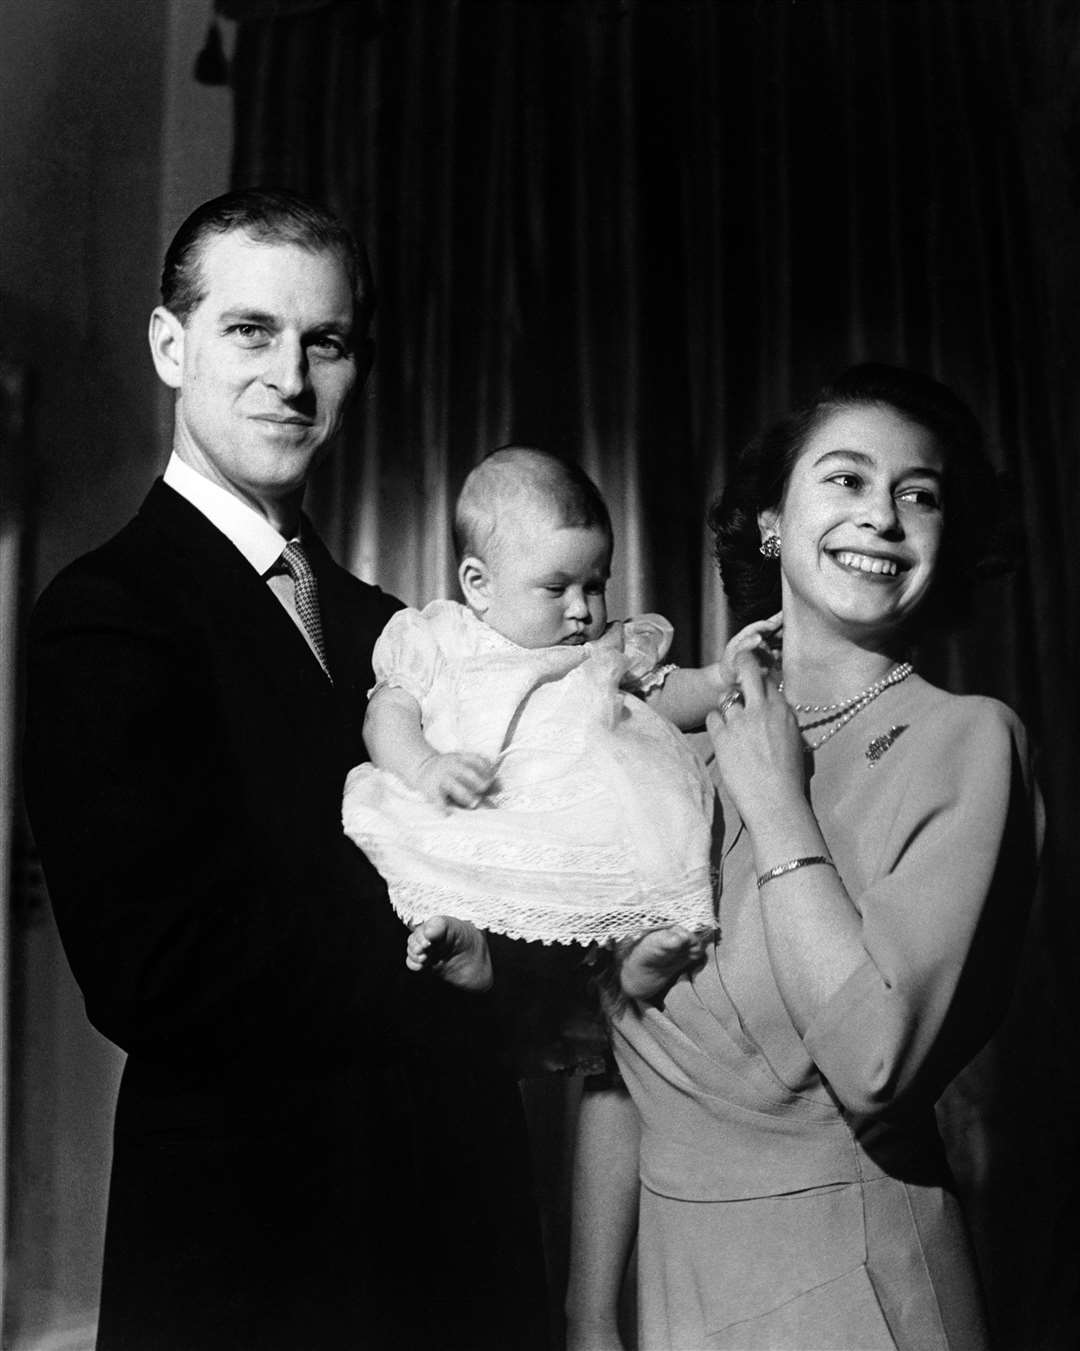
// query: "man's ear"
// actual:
[[475, 582], [167, 346]]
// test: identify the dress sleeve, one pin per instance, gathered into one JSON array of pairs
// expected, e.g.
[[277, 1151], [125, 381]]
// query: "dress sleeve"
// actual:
[[646, 641], [943, 921], [406, 655]]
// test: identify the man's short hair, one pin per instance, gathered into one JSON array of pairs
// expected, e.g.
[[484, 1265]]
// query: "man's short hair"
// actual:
[[268, 216], [524, 478]]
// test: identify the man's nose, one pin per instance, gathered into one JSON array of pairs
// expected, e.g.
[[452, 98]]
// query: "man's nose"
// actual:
[[287, 369]]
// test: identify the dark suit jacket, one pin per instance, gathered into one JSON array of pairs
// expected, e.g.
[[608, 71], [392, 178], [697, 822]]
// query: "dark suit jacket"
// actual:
[[302, 1123]]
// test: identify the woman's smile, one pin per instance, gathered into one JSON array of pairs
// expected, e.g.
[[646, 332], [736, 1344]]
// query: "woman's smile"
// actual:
[[867, 564]]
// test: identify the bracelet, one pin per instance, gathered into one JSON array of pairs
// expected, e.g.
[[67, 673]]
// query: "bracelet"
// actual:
[[791, 866], [654, 678]]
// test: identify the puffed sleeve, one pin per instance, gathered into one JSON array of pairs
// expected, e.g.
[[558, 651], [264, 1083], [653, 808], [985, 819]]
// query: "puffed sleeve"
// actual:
[[406, 655], [943, 921], [646, 641]]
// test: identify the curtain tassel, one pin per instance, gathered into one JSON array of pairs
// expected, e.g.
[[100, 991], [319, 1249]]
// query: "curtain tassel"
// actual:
[[211, 64]]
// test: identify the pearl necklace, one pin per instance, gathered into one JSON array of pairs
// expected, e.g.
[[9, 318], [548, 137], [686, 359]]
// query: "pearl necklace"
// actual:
[[845, 710]]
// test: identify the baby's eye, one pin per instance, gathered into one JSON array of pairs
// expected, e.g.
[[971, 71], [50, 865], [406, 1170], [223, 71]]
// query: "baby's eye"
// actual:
[[596, 588], [554, 589]]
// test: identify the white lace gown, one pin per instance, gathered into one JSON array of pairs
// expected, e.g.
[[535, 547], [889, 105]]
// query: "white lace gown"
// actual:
[[599, 821]]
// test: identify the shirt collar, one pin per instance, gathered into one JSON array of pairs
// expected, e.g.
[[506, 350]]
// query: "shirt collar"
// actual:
[[253, 535]]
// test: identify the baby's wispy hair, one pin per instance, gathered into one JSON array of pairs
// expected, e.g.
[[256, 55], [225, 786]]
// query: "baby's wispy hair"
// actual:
[[523, 479]]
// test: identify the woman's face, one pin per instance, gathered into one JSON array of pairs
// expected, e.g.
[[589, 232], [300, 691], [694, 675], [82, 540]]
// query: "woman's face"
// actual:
[[861, 522]]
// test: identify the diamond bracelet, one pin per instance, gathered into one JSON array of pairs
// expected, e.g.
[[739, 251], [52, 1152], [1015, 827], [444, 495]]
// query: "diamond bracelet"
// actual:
[[791, 865]]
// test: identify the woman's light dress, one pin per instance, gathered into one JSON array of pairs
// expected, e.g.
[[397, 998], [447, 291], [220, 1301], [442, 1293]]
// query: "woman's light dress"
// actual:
[[599, 822], [795, 1193]]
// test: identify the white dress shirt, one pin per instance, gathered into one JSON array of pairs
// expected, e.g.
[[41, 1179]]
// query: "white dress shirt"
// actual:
[[251, 533]]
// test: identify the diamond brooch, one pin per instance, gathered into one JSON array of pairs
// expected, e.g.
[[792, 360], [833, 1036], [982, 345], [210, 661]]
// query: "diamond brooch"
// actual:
[[881, 744]]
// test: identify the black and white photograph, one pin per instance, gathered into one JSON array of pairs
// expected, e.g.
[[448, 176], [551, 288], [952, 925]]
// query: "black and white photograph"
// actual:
[[539, 633]]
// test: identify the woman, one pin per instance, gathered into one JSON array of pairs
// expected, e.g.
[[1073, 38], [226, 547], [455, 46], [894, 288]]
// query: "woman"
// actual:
[[877, 854]]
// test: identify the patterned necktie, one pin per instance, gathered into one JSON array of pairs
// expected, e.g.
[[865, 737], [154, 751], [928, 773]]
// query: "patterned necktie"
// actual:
[[295, 563]]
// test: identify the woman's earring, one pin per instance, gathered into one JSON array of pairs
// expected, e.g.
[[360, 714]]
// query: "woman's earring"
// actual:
[[770, 546]]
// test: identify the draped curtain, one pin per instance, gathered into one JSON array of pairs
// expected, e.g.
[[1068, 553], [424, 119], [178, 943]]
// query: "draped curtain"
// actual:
[[635, 230]]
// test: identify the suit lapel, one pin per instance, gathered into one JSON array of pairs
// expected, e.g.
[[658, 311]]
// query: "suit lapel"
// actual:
[[244, 610]]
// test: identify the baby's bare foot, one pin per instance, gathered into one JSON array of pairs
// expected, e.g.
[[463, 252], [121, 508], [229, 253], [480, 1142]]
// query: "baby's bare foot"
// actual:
[[452, 949], [651, 965]]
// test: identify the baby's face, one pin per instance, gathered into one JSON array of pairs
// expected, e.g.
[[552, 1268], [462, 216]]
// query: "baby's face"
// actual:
[[547, 584]]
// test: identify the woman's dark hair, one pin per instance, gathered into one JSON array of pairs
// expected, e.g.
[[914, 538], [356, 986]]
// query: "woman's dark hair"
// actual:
[[972, 544]]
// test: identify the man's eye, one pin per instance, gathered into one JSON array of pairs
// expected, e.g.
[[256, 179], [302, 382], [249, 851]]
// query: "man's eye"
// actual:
[[333, 348], [249, 334]]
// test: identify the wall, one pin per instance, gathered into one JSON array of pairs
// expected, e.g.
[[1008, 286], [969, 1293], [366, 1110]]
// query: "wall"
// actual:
[[105, 143]]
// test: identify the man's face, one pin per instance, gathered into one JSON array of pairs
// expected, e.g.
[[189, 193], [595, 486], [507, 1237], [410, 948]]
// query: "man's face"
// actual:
[[263, 367]]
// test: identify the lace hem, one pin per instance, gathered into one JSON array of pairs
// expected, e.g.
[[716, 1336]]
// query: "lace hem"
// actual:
[[539, 922]]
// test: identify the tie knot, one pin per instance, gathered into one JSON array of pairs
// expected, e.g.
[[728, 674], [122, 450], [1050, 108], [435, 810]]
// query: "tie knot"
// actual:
[[295, 562]]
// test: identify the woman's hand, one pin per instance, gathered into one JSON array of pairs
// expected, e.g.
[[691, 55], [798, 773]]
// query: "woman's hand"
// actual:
[[761, 639], [759, 748]]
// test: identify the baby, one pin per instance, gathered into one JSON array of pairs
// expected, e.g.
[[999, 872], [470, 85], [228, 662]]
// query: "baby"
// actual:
[[528, 775]]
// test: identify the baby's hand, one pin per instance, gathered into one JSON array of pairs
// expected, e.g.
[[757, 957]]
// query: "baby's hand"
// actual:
[[648, 966], [457, 779], [760, 638], [452, 949]]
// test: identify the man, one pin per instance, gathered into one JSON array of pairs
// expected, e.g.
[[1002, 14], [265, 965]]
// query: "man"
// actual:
[[196, 692]]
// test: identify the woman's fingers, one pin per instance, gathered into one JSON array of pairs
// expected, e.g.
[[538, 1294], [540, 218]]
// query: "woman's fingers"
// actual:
[[751, 678], [731, 699], [762, 628], [755, 686], [759, 638]]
